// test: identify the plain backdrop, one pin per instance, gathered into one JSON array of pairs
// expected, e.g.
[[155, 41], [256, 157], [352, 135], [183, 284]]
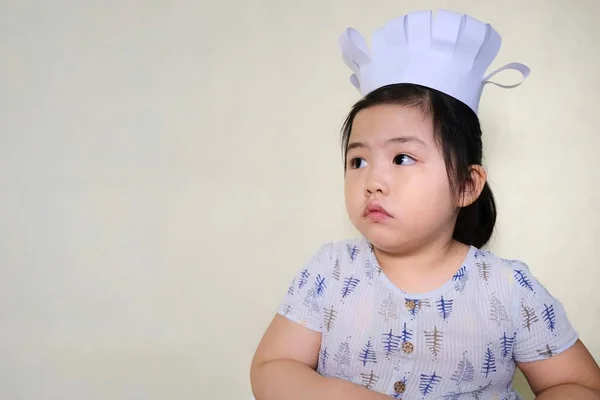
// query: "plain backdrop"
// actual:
[[166, 166]]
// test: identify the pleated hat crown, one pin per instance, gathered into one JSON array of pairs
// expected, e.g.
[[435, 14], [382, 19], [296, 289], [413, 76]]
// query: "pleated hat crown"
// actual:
[[450, 53]]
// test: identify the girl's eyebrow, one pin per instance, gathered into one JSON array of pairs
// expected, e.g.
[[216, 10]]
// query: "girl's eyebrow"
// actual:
[[399, 139]]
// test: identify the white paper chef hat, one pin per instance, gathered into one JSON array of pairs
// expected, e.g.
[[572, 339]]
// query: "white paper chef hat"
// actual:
[[449, 53]]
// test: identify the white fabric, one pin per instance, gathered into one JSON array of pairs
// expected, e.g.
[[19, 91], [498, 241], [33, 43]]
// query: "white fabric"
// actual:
[[449, 53]]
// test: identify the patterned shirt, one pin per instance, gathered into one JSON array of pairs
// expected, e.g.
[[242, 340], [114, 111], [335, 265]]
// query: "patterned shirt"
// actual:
[[460, 341]]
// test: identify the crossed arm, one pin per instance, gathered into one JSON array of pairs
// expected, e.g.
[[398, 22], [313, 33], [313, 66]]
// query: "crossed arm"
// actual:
[[572, 374], [284, 367]]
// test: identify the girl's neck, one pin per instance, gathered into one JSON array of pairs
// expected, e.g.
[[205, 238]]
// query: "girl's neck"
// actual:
[[425, 268]]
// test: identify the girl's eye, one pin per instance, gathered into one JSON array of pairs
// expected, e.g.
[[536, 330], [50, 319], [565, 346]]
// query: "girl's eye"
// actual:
[[404, 159], [358, 162]]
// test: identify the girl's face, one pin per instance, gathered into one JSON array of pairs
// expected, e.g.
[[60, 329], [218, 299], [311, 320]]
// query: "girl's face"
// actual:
[[396, 186]]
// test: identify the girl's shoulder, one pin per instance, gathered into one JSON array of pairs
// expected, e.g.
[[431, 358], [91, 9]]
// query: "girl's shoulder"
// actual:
[[346, 249], [342, 257], [542, 327], [338, 253], [502, 271], [350, 249]]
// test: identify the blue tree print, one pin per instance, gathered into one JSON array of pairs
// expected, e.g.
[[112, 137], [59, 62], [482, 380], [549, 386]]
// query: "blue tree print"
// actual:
[[304, 275], [353, 251], [367, 355], [489, 363], [460, 279], [444, 307], [391, 342], [324, 358], [349, 286], [461, 273], [320, 285], [291, 288], [522, 279], [406, 334], [549, 317], [428, 383], [480, 254], [506, 345]]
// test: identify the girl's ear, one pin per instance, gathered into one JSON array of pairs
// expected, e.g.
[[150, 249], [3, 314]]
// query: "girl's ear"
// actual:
[[473, 186]]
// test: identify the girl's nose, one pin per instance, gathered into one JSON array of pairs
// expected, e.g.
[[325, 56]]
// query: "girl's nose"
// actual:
[[376, 183]]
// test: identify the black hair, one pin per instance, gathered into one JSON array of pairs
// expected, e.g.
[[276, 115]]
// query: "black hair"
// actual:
[[457, 131]]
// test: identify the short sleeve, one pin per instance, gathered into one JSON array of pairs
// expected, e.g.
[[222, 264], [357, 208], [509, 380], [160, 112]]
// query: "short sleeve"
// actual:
[[544, 329], [303, 302]]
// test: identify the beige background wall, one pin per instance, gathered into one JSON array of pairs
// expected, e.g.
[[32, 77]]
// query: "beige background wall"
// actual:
[[165, 166]]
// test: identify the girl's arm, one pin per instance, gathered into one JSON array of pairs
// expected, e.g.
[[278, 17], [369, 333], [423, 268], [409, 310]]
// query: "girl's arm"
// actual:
[[284, 367], [572, 374]]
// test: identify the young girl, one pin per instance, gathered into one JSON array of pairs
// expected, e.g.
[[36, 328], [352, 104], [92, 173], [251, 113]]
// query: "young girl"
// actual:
[[413, 308]]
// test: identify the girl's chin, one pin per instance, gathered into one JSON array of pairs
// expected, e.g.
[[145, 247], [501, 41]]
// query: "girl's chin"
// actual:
[[382, 237]]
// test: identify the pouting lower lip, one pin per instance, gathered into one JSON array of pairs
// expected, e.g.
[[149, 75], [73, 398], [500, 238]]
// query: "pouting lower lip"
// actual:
[[376, 213], [377, 216], [376, 209]]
